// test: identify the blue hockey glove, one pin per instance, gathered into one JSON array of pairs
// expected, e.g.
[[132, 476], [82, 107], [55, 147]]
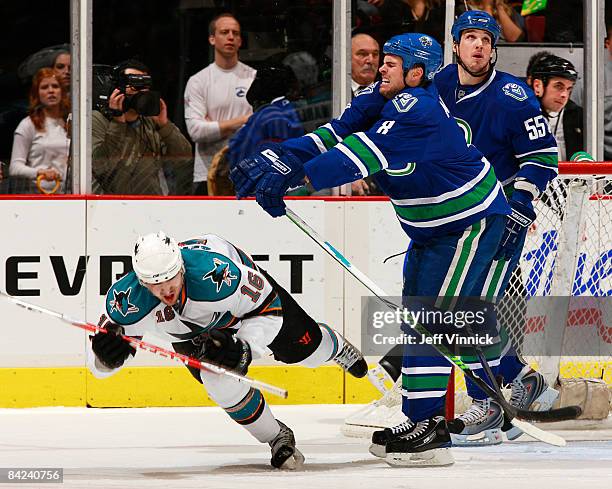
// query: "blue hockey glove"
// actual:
[[516, 227], [285, 172], [247, 172]]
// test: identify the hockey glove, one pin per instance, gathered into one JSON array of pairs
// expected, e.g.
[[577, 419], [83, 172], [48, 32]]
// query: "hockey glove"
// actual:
[[285, 172], [224, 349], [110, 348], [516, 227], [247, 172]]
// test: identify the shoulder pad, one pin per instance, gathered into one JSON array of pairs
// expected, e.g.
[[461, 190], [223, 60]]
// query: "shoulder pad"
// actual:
[[128, 302], [210, 276]]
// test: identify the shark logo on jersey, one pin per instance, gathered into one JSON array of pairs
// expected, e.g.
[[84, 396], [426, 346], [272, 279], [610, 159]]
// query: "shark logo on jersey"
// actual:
[[425, 41], [404, 102], [121, 302], [221, 274], [515, 91]]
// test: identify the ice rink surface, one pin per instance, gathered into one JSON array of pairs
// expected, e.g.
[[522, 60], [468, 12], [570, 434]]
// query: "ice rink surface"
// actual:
[[202, 448]]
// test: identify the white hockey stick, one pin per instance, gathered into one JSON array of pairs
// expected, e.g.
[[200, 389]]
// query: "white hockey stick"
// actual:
[[510, 410], [162, 352]]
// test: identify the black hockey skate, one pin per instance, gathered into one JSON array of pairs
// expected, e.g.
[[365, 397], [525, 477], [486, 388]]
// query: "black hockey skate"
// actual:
[[351, 360], [284, 453], [427, 444], [380, 438]]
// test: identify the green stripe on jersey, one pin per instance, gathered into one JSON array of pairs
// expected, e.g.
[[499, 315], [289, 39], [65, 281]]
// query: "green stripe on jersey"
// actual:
[[550, 160], [434, 211], [328, 138], [365, 154], [412, 382]]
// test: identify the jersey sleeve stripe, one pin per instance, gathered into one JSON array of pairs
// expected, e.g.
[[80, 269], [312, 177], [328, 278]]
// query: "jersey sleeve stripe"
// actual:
[[453, 206], [547, 161], [453, 193], [356, 161], [364, 153], [330, 128], [318, 142], [366, 140], [552, 150]]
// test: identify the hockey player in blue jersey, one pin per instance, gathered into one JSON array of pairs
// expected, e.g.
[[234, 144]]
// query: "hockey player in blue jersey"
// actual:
[[446, 197], [211, 301]]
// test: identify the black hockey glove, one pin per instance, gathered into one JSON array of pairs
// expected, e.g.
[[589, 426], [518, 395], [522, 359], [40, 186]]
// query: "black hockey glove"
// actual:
[[222, 348], [517, 224], [110, 348]]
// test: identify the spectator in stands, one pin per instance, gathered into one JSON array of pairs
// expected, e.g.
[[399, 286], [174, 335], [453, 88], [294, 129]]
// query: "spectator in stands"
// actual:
[[511, 23], [215, 97], [563, 21], [134, 141], [577, 95], [552, 79], [274, 120], [365, 60], [426, 16], [61, 66], [39, 158]]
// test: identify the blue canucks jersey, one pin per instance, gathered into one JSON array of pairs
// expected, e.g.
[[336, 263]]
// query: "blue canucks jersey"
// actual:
[[502, 118], [437, 183], [271, 123]]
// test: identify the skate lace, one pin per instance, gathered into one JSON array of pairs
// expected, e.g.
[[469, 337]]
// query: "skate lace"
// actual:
[[403, 426], [284, 437], [476, 412], [421, 427], [518, 393], [347, 356]]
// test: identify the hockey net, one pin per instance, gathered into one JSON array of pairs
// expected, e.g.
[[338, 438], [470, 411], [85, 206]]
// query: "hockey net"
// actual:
[[556, 309]]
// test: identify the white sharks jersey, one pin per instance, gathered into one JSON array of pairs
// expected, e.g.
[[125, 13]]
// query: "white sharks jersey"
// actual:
[[222, 286]]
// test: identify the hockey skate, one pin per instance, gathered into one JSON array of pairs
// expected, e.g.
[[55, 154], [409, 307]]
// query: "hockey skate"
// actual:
[[382, 437], [285, 455], [480, 425], [427, 444], [351, 360], [529, 391]]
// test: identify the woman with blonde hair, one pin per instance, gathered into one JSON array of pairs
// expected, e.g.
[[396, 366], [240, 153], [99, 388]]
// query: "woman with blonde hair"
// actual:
[[41, 144]]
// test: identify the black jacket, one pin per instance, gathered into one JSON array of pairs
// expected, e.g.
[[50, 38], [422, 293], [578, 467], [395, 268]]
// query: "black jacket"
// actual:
[[572, 129]]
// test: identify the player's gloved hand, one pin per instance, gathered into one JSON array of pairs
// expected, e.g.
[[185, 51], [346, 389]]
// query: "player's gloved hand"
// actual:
[[224, 349], [285, 173], [110, 349], [246, 173], [517, 224]]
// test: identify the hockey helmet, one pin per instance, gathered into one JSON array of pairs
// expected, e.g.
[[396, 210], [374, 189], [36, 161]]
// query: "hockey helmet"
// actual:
[[415, 48], [156, 258], [476, 19], [552, 65]]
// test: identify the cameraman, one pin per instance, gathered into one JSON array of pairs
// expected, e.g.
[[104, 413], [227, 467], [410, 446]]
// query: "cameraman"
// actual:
[[133, 140]]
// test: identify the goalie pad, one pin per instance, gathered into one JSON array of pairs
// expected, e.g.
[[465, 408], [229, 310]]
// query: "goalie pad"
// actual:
[[592, 395]]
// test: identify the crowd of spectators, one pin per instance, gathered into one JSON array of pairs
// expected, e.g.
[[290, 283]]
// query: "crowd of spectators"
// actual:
[[232, 109]]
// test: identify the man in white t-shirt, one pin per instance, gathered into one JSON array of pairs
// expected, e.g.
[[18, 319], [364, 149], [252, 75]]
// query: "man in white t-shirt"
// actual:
[[215, 97]]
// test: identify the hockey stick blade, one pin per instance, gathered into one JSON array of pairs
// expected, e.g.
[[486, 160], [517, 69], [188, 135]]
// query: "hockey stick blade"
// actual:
[[512, 412], [552, 415], [158, 350], [538, 434]]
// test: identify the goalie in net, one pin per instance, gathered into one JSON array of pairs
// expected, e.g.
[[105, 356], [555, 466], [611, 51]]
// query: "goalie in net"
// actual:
[[524, 157]]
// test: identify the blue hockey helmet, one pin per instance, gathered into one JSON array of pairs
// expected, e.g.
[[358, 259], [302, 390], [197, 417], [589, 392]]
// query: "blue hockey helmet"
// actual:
[[415, 48], [476, 19]]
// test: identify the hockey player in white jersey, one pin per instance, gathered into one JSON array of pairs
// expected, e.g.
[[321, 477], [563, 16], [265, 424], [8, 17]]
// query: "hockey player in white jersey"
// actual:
[[212, 302]]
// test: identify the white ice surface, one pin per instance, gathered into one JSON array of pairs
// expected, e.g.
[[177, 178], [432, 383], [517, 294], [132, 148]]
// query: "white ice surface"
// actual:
[[202, 448]]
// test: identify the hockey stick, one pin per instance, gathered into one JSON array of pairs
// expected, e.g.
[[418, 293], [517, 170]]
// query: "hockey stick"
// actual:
[[514, 415], [162, 352]]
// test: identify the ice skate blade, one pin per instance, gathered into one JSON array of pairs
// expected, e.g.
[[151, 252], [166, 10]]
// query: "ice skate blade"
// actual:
[[483, 439], [378, 450], [295, 462], [438, 457]]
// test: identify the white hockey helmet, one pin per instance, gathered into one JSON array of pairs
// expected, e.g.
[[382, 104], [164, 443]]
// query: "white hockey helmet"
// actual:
[[156, 258]]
